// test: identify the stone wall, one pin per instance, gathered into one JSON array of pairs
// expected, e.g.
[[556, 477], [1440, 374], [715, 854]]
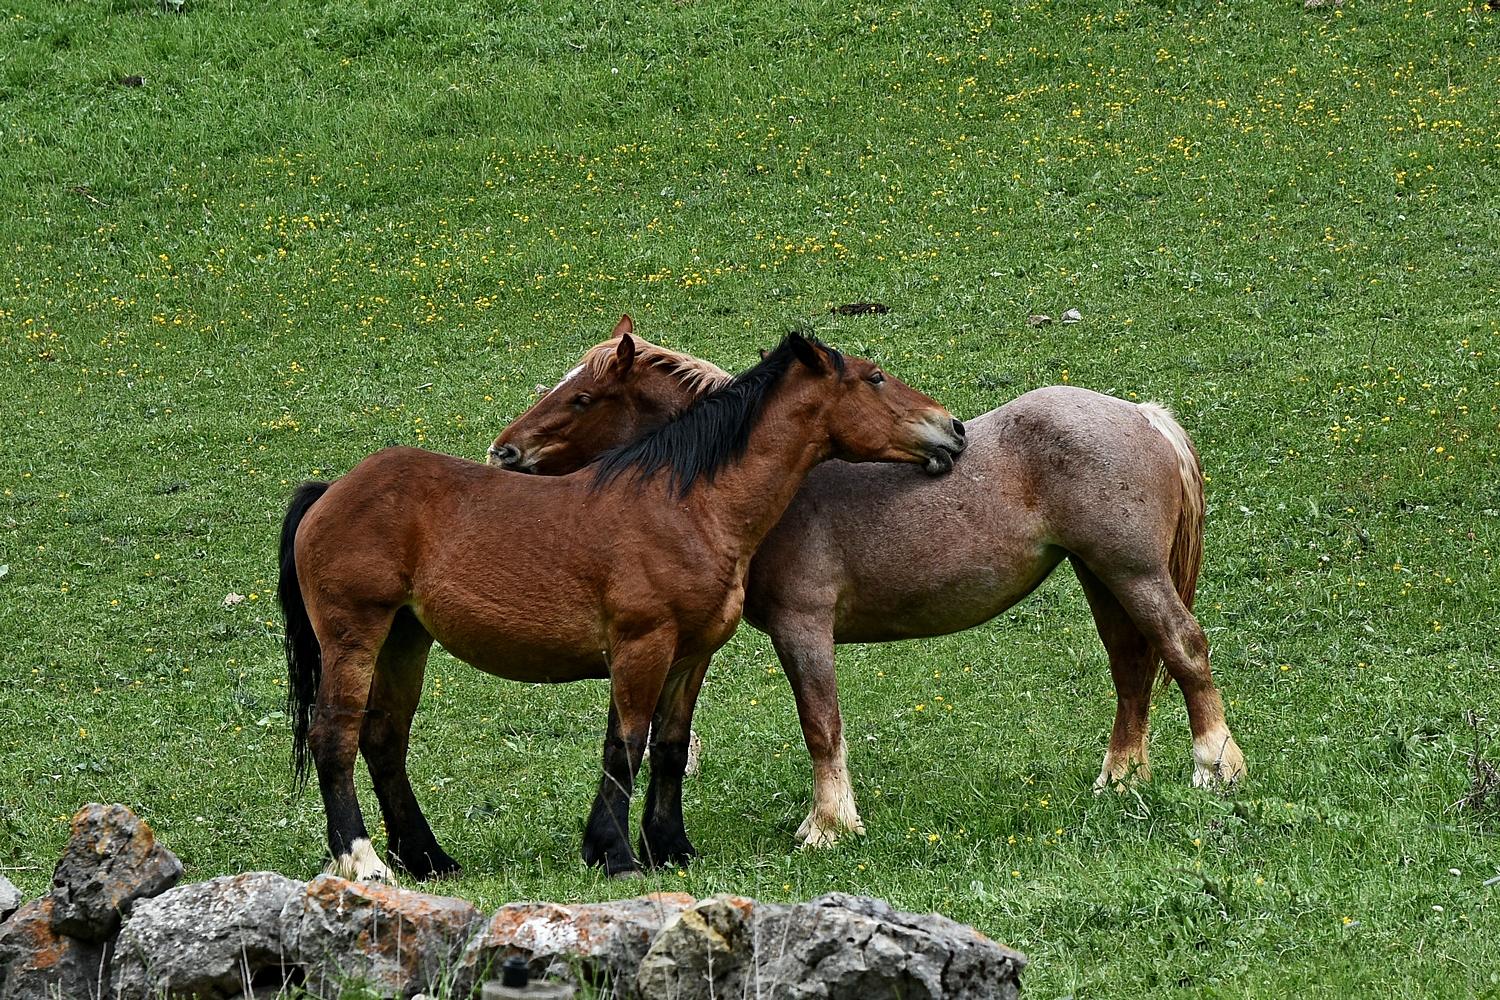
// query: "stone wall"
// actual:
[[115, 925]]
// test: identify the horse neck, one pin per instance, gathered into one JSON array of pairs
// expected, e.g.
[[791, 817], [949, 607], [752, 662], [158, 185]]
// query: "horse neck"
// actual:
[[669, 392], [748, 497]]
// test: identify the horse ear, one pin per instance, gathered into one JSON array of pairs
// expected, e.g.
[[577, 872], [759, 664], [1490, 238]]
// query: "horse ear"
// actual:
[[625, 326], [625, 353], [806, 351]]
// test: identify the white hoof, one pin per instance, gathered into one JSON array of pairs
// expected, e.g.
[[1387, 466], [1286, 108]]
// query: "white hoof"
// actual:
[[1217, 761], [361, 864], [1120, 773], [833, 814], [817, 832]]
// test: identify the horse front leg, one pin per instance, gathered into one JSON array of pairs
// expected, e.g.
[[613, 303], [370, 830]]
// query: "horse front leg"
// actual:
[[664, 838], [637, 672], [804, 645]]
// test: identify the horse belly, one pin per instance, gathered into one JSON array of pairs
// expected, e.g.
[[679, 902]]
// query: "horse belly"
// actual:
[[522, 640], [534, 664], [914, 599]]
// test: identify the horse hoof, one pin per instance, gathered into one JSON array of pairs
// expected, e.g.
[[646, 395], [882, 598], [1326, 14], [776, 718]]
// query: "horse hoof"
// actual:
[[628, 875], [360, 865], [425, 866], [1119, 786], [436, 873], [819, 838], [1218, 779], [816, 834], [1218, 762], [670, 851]]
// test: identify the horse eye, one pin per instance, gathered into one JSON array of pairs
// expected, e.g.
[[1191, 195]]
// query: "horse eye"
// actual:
[[582, 399], [875, 377]]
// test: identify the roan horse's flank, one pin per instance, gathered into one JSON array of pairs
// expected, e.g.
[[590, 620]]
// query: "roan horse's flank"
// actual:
[[632, 570], [1061, 472]]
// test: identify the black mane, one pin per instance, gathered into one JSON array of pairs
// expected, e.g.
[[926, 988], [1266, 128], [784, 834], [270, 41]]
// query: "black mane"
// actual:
[[712, 432]]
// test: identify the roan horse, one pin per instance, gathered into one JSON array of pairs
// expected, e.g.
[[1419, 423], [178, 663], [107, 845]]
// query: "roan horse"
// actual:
[[633, 569], [1061, 472]]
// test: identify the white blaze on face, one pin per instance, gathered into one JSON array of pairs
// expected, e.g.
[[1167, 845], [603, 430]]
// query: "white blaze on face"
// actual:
[[564, 381]]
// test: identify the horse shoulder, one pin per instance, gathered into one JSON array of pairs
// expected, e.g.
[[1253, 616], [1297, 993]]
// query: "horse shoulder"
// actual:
[[798, 567]]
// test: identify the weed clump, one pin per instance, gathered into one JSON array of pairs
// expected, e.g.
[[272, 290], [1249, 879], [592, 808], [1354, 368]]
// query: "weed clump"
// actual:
[[1483, 797]]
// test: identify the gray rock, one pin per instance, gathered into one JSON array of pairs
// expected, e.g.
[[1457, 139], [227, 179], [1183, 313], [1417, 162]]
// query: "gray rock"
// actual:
[[211, 940], [38, 963], [10, 898], [600, 944], [836, 947], [392, 941], [709, 946], [112, 859]]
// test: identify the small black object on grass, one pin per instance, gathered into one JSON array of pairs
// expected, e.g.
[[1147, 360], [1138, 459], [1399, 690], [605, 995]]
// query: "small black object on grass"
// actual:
[[861, 309], [516, 984]]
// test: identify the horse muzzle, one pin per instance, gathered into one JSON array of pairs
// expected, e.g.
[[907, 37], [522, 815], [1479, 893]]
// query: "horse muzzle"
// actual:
[[943, 440], [508, 456]]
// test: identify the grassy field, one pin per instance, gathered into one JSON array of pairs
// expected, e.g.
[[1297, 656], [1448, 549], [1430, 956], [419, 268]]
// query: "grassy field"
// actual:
[[310, 231]]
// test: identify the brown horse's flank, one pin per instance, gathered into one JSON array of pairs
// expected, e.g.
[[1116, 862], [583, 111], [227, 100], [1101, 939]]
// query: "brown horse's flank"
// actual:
[[412, 547], [1114, 487]]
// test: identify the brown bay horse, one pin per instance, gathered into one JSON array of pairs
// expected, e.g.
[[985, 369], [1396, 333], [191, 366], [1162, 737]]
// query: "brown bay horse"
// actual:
[[633, 570], [1060, 472]]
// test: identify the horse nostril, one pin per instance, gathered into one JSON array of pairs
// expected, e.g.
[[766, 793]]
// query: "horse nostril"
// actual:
[[958, 428], [506, 454]]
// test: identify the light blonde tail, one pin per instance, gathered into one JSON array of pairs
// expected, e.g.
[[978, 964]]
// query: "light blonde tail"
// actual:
[[1187, 543]]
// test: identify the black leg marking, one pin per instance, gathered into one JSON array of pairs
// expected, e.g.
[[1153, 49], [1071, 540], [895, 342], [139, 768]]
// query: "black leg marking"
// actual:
[[606, 839], [664, 839]]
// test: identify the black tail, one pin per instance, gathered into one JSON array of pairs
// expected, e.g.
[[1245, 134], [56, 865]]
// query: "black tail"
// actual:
[[304, 659]]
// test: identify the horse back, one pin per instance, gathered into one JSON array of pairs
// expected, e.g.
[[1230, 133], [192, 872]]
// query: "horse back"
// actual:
[[470, 548], [887, 552]]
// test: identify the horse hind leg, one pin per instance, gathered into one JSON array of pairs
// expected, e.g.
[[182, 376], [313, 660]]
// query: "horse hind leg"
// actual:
[[1153, 604], [384, 740], [606, 839], [1132, 665], [343, 693]]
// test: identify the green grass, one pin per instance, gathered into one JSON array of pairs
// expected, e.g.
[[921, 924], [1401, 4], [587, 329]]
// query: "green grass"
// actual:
[[320, 229]]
